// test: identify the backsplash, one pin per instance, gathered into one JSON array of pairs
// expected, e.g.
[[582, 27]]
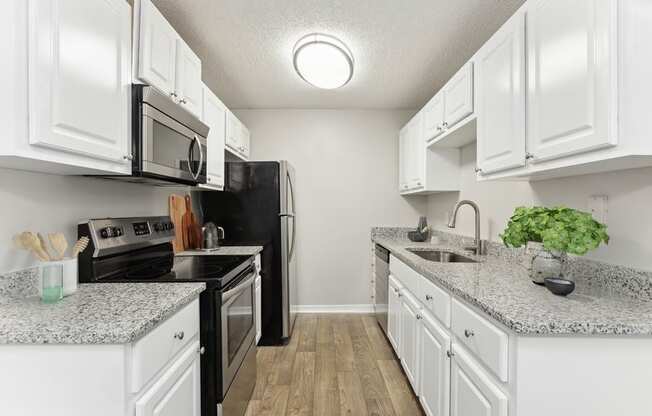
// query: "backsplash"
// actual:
[[598, 277]]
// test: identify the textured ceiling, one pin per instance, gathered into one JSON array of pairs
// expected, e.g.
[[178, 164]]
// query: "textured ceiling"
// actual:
[[404, 50]]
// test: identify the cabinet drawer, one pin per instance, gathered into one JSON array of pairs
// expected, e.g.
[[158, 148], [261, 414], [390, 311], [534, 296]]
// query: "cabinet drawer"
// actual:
[[404, 274], [483, 338], [152, 352], [436, 300]]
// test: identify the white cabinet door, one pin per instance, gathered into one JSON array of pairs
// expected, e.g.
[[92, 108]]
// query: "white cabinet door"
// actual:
[[458, 96], [214, 115], [433, 117], [434, 367], [572, 78], [157, 60], [416, 152], [473, 393], [188, 78], [245, 141], [80, 77], [177, 391], [259, 305], [403, 139], [500, 67], [409, 338], [233, 131], [394, 316]]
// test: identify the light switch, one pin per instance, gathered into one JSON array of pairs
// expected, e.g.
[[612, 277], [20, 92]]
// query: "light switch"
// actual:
[[598, 207]]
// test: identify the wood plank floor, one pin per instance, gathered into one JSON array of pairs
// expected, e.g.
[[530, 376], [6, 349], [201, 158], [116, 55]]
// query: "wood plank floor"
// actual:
[[334, 365]]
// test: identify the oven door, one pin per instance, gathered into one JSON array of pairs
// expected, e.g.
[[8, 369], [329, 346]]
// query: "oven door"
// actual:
[[169, 149], [238, 325]]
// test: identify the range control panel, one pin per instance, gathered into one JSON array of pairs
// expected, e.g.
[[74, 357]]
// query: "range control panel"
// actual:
[[111, 235]]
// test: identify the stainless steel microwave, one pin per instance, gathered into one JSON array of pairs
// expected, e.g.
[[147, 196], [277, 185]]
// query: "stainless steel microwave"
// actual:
[[168, 142]]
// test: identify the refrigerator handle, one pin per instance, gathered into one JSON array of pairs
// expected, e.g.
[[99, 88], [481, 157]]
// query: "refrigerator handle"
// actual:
[[292, 215]]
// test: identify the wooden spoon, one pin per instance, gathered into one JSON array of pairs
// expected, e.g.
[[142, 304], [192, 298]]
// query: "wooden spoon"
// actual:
[[59, 243], [30, 241], [44, 244], [80, 246]]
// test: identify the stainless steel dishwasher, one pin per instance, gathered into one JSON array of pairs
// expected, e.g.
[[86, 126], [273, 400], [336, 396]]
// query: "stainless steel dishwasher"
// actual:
[[381, 286]]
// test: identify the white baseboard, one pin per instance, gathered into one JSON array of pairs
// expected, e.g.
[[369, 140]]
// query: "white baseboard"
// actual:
[[363, 308]]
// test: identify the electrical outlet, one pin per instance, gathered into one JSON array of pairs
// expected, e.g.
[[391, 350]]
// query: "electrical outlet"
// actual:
[[598, 207]]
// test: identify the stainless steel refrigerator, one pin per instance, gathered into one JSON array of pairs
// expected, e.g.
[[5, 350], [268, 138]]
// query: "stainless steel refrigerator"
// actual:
[[257, 207]]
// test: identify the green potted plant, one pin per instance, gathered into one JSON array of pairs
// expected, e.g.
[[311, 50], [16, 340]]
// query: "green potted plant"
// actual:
[[549, 234]]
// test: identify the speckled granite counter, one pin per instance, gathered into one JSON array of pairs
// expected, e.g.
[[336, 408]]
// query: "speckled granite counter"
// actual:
[[226, 251], [500, 286], [108, 313]]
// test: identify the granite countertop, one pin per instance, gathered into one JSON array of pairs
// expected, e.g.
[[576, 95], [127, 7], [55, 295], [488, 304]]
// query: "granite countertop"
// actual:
[[107, 313], [225, 251], [500, 286]]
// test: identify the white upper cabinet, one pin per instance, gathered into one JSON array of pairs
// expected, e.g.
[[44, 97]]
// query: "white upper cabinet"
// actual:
[[571, 77], [79, 77], [433, 115], [458, 96], [500, 71], [157, 54], [164, 60], [214, 116], [67, 75], [238, 137], [188, 78], [402, 159]]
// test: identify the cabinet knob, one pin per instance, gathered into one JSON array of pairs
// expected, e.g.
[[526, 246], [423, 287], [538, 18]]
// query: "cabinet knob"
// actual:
[[478, 170], [529, 156], [468, 333], [173, 94], [428, 297], [208, 179], [128, 157], [419, 183], [179, 335], [201, 350], [440, 128], [419, 316], [445, 124], [449, 354], [183, 101]]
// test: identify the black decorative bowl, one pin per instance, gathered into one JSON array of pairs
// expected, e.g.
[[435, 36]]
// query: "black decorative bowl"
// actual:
[[417, 237], [559, 286]]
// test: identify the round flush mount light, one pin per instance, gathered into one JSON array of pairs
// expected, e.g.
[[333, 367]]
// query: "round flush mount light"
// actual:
[[323, 61]]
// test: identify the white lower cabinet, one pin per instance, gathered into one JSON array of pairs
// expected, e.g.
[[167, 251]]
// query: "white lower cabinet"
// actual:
[[472, 392], [394, 315], [410, 337], [178, 391], [434, 367]]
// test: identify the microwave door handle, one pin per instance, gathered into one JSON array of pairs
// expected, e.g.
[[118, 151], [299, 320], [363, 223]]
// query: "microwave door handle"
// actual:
[[241, 286], [195, 139], [201, 156]]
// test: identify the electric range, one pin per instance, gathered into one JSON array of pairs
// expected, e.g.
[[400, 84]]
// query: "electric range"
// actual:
[[139, 249]]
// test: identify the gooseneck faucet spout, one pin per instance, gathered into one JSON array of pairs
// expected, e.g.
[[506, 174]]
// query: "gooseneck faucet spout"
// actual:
[[479, 247]]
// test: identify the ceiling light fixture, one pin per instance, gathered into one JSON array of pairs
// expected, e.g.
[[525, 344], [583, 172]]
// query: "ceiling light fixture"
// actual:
[[323, 61]]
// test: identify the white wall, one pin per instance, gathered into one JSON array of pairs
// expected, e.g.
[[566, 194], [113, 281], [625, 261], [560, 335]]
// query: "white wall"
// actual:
[[347, 181], [49, 203], [629, 220]]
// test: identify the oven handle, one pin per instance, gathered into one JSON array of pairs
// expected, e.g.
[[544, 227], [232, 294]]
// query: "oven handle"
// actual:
[[239, 288], [195, 139]]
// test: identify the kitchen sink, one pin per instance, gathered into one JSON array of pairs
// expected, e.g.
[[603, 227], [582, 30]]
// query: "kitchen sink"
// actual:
[[441, 256]]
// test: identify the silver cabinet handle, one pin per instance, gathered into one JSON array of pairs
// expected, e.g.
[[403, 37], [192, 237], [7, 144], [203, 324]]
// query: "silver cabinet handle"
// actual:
[[449, 354], [440, 128], [419, 316], [428, 297], [529, 156], [173, 94], [419, 183], [179, 335], [468, 333], [445, 124], [183, 101], [128, 157], [478, 170], [201, 350]]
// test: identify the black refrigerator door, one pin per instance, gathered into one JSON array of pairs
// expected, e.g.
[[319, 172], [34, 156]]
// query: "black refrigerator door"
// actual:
[[249, 211]]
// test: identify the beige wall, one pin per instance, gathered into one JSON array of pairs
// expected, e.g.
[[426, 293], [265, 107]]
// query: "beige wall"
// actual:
[[346, 167], [629, 219], [49, 203]]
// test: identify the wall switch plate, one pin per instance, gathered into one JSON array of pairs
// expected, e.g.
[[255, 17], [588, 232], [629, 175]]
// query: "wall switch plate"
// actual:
[[598, 207]]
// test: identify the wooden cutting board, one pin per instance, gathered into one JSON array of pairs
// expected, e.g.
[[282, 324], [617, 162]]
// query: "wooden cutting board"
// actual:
[[192, 231], [177, 211]]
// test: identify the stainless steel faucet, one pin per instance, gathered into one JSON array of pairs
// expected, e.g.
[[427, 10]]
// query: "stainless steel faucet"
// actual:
[[480, 246]]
